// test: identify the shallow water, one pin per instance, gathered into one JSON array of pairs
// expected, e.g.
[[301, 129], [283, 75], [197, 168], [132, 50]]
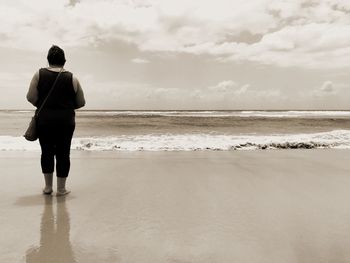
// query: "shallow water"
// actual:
[[113, 123]]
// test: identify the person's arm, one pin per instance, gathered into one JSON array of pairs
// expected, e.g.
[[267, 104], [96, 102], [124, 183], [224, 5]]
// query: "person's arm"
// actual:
[[79, 94], [32, 95]]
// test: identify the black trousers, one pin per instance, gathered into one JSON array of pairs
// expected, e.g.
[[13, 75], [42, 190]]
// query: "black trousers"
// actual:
[[55, 141]]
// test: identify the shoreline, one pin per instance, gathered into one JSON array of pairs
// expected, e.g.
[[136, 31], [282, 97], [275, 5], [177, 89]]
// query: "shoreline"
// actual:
[[241, 206]]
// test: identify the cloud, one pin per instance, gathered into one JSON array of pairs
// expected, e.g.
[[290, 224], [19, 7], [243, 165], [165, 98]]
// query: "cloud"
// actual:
[[226, 94], [73, 2], [231, 94], [302, 33], [224, 86], [140, 61], [327, 86], [229, 86]]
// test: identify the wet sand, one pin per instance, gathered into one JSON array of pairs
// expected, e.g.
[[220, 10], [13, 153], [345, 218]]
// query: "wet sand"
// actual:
[[244, 206]]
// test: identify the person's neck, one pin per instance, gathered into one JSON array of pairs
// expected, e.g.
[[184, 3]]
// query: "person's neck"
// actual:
[[55, 67]]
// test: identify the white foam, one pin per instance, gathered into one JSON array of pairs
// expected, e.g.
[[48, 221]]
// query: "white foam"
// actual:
[[190, 142], [193, 142]]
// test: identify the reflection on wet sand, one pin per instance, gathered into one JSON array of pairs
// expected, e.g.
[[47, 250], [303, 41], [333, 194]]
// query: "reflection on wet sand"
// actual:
[[54, 245]]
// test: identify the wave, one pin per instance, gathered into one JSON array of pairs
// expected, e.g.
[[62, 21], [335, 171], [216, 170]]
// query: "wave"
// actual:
[[193, 142]]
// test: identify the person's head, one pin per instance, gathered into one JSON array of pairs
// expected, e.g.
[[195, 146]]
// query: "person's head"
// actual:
[[55, 56]]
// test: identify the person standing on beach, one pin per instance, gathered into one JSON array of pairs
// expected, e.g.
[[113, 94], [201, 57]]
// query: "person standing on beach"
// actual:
[[56, 121]]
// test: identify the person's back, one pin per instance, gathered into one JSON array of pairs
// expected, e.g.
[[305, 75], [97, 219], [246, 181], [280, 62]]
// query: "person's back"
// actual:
[[60, 105]]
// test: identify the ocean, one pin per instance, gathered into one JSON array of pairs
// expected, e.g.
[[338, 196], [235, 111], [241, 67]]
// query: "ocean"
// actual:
[[190, 130]]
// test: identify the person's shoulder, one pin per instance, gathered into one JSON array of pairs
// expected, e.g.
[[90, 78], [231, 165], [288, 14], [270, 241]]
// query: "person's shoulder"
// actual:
[[67, 72], [41, 71], [37, 73], [74, 77]]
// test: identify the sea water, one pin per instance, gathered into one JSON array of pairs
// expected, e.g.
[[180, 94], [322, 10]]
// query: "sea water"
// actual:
[[191, 130]]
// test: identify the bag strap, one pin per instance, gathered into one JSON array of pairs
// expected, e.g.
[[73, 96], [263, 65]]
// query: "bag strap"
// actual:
[[53, 86]]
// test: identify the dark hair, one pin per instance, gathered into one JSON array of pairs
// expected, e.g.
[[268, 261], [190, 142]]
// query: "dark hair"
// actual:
[[55, 56]]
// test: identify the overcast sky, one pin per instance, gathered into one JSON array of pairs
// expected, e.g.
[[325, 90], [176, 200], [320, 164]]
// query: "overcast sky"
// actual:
[[199, 54]]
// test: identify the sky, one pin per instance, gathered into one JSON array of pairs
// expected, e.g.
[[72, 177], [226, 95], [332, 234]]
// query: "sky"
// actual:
[[178, 55]]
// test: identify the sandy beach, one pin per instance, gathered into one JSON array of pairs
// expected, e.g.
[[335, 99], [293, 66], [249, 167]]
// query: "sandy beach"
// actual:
[[242, 206]]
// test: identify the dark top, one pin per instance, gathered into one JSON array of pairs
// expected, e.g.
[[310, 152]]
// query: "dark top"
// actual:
[[59, 107]]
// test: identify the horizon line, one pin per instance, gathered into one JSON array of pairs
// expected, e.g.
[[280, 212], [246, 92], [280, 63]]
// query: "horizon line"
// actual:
[[192, 110]]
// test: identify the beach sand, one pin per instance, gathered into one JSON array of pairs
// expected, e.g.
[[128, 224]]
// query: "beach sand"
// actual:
[[242, 206]]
